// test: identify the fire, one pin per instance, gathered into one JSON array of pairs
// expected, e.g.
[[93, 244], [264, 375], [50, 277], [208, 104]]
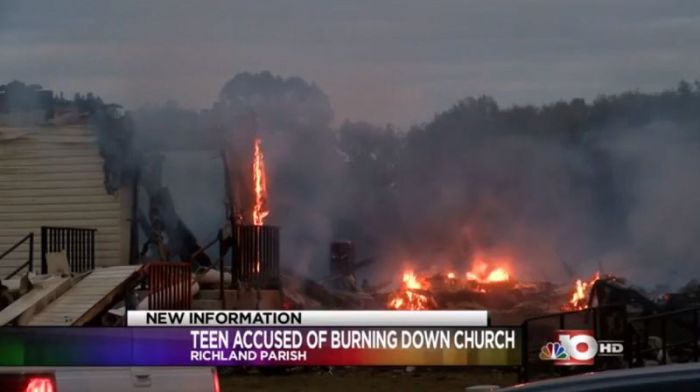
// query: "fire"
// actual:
[[498, 275], [414, 293], [580, 294], [481, 273], [411, 295], [260, 185]]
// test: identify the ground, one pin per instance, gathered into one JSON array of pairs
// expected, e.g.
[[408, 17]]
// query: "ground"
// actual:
[[365, 379]]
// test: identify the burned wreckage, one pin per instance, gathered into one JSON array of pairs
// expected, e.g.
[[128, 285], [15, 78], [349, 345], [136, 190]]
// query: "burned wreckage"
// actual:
[[163, 265]]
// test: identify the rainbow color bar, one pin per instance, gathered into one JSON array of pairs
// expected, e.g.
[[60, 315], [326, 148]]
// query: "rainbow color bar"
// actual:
[[132, 346]]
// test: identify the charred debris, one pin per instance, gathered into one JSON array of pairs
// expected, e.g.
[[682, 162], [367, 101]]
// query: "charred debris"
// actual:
[[248, 250]]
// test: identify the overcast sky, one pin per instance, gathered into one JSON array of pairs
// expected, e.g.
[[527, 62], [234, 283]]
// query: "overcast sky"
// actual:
[[385, 61]]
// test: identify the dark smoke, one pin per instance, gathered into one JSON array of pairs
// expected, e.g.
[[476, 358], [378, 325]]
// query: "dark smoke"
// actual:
[[293, 119], [557, 190]]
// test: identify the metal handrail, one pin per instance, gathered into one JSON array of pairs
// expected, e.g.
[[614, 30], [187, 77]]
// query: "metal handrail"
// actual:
[[30, 260], [664, 318], [665, 314]]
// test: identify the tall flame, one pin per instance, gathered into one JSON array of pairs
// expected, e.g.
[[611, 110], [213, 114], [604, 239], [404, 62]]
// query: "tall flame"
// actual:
[[260, 184], [580, 294]]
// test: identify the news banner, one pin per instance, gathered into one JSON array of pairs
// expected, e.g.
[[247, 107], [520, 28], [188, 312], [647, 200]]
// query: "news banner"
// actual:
[[271, 338]]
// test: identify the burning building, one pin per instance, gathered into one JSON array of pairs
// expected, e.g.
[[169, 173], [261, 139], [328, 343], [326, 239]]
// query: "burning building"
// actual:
[[52, 167]]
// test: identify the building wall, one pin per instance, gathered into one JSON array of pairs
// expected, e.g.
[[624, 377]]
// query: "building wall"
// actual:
[[53, 176]]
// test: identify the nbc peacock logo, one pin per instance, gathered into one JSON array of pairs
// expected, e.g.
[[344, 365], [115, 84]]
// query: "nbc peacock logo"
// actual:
[[553, 351], [574, 347]]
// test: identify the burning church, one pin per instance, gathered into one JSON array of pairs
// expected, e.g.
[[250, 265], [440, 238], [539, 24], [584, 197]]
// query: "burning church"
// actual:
[[74, 210], [93, 225], [56, 174]]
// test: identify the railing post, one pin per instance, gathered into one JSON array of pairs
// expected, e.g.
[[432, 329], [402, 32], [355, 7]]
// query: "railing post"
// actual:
[[525, 353], [695, 335], [645, 341], [92, 249], [631, 336], [627, 336], [663, 340], [235, 263], [44, 244], [561, 320], [595, 323], [638, 350], [31, 251], [220, 236]]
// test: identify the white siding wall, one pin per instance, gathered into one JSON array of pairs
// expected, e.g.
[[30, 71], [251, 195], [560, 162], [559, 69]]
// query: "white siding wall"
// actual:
[[52, 176]]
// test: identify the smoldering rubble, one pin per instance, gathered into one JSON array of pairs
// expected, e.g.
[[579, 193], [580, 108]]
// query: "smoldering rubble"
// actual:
[[561, 190]]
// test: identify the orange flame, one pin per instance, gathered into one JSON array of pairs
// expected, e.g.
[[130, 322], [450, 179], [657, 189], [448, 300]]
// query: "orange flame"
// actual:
[[407, 298], [260, 184], [498, 275], [480, 273], [580, 294], [414, 293]]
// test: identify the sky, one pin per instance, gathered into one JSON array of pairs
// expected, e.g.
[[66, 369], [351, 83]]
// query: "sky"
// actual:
[[385, 61]]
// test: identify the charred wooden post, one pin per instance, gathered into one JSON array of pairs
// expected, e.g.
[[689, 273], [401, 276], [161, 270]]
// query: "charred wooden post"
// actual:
[[342, 258], [342, 265], [256, 256]]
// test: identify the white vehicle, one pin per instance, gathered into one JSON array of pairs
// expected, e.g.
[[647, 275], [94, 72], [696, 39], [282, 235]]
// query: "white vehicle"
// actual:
[[109, 379]]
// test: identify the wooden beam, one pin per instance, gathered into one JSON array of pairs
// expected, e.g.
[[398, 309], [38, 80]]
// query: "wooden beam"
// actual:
[[43, 293]]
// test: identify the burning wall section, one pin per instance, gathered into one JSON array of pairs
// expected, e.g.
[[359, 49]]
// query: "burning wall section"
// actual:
[[256, 245]]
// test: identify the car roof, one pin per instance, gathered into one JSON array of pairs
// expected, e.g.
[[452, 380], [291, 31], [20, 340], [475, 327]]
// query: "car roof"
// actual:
[[614, 378]]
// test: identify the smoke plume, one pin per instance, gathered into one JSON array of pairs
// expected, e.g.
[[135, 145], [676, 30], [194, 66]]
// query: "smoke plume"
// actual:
[[554, 191]]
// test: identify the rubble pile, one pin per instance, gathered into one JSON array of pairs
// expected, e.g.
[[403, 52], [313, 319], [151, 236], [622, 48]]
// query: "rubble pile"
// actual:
[[508, 301]]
